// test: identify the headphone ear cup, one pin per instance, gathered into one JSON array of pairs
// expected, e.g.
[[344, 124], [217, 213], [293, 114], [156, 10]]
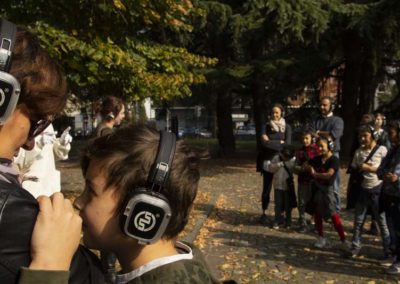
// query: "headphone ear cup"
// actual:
[[331, 144], [145, 215]]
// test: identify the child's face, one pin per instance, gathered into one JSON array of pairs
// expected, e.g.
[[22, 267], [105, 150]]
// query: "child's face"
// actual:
[[307, 139], [365, 138], [120, 116], [379, 121], [323, 147], [97, 208]]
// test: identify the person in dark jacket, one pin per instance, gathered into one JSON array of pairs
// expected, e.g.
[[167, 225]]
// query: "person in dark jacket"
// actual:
[[33, 92], [389, 172], [329, 124], [275, 134]]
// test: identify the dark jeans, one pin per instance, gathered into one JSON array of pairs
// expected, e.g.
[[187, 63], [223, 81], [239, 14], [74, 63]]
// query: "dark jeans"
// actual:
[[267, 186], [282, 204], [369, 200], [393, 216], [304, 196]]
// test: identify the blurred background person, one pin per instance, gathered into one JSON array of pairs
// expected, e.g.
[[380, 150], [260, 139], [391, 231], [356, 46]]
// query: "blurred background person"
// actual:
[[37, 167]]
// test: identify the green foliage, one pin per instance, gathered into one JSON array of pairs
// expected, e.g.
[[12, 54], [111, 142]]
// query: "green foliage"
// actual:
[[107, 47]]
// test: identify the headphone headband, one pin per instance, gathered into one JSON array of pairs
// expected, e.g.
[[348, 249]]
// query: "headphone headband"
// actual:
[[8, 33], [161, 168], [9, 85]]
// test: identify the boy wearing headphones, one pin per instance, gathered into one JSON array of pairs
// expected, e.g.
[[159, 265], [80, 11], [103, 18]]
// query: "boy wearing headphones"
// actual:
[[367, 159], [137, 199]]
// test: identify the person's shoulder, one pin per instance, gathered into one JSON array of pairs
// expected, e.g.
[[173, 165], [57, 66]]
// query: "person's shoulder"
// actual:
[[334, 159], [182, 271], [195, 270], [336, 118], [382, 149]]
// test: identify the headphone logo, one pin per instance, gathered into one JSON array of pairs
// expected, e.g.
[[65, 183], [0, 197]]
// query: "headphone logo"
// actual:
[[145, 221], [2, 97]]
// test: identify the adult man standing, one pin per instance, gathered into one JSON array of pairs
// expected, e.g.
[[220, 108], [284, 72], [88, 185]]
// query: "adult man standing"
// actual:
[[329, 124]]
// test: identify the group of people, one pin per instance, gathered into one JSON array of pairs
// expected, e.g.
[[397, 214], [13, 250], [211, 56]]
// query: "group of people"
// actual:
[[374, 184], [140, 184]]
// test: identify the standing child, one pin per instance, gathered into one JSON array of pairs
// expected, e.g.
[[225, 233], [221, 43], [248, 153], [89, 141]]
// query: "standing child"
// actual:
[[324, 169], [282, 166], [367, 159], [308, 151]]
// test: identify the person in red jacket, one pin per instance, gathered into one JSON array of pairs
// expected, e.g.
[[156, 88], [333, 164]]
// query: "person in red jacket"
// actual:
[[308, 151]]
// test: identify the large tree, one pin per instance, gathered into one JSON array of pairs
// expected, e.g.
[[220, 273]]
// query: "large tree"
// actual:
[[106, 47]]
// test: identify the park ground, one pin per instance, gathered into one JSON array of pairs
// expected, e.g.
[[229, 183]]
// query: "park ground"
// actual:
[[224, 225]]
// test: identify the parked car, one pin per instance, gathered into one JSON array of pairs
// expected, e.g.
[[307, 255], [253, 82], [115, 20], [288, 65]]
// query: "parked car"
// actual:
[[203, 133], [246, 130]]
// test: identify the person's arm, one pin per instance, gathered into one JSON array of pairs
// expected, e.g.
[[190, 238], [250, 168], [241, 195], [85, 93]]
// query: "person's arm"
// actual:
[[354, 163], [337, 129], [373, 167], [274, 165], [55, 238], [29, 276], [333, 168]]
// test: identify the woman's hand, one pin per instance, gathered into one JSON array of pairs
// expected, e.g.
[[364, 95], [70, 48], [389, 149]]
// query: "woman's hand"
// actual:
[[265, 137], [56, 234], [390, 177], [312, 171]]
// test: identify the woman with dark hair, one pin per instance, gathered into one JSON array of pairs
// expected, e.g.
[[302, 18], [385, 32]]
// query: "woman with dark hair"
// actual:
[[275, 134], [36, 92], [112, 113]]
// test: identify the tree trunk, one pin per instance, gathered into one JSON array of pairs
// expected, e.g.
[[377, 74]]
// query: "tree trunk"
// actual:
[[350, 92], [259, 107], [226, 138], [368, 82]]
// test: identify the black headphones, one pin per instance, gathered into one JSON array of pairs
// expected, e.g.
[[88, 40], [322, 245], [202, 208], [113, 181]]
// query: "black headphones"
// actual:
[[147, 212], [9, 85], [281, 108], [330, 142], [383, 118], [371, 129]]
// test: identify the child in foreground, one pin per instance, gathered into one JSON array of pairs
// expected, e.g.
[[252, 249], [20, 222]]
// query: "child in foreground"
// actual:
[[117, 169], [324, 169]]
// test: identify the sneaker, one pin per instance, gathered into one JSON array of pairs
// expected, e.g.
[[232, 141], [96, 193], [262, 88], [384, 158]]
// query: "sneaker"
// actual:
[[394, 268], [354, 252], [320, 243], [275, 226], [387, 260]]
